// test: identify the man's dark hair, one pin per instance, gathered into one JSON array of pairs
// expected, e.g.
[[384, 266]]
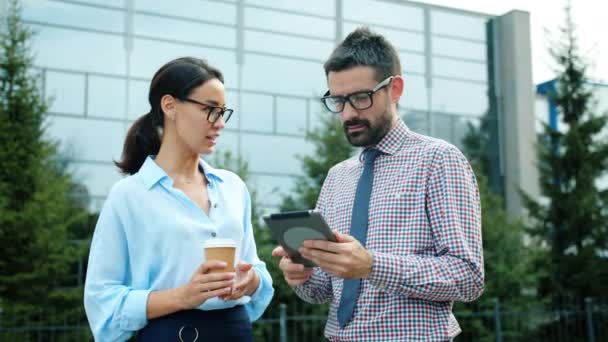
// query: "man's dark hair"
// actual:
[[365, 48]]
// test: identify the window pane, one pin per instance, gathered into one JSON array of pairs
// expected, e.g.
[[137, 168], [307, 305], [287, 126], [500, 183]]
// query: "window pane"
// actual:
[[287, 45], [185, 31], [283, 158], [98, 178], [415, 93], [148, 56], [288, 76], [66, 91], [256, 113], [466, 26], [227, 142], [291, 116], [412, 62], [401, 40], [384, 13], [138, 99], [89, 139], [459, 48], [318, 7], [271, 188], [111, 3], [74, 15], [106, 97], [416, 120], [454, 68], [75, 50], [452, 128], [196, 9], [459, 97], [289, 23]]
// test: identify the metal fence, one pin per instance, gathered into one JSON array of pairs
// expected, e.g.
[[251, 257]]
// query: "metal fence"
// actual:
[[585, 322]]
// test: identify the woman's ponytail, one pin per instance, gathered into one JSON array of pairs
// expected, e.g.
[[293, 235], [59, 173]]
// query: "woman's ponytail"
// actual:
[[142, 140]]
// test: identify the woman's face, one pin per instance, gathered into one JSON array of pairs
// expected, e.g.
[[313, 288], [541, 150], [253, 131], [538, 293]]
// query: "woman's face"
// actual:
[[191, 124]]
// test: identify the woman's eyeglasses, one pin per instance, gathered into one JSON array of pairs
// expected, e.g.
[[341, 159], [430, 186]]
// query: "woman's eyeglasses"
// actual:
[[213, 112]]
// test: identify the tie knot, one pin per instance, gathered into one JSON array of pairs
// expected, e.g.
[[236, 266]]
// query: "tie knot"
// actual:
[[370, 155]]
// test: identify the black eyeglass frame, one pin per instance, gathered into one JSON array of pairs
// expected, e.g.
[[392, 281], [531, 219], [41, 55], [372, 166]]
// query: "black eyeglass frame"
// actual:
[[345, 98], [225, 113]]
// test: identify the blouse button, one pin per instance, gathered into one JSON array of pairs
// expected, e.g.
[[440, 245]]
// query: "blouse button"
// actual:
[[215, 205], [213, 234]]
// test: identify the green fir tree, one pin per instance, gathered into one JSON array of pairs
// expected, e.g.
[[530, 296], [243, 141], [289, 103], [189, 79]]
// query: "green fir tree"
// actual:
[[40, 206], [571, 221]]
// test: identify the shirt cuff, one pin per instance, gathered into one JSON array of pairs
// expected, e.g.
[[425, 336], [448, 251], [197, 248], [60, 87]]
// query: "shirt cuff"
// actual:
[[134, 313], [386, 272]]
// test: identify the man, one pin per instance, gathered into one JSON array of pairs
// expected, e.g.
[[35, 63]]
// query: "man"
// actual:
[[405, 212]]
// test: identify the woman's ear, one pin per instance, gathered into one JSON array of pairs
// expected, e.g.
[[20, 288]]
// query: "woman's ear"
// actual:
[[168, 104], [397, 87]]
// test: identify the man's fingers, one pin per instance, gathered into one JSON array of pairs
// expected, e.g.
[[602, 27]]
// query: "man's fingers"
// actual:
[[323, 256], [343, 237], [279, 252], [286, 265]]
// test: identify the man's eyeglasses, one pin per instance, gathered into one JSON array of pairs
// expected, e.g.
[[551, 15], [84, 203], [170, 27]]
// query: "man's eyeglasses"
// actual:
[[213, 112], [359, 100]]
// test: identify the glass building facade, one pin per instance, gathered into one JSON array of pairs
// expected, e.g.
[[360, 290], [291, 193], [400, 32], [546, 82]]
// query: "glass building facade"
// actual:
[[97, 58]]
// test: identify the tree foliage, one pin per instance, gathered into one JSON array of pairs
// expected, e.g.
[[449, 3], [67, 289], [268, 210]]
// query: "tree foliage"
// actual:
[[571, 221], [39, 205], [510, 276]]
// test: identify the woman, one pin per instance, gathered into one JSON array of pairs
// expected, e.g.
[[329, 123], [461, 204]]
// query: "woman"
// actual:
[[146, 271]]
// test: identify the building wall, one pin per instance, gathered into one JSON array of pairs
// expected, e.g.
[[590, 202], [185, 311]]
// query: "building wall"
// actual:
[[97, 58]]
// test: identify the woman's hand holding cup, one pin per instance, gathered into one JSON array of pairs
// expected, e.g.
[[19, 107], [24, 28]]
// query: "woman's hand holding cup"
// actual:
[[204, 284]]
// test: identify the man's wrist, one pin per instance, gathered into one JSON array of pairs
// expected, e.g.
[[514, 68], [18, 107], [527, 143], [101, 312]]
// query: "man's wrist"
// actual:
[[369, 264]]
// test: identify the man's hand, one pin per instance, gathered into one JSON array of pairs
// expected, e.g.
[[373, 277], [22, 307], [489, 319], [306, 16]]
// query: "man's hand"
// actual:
[[294, 274], [345, 259]]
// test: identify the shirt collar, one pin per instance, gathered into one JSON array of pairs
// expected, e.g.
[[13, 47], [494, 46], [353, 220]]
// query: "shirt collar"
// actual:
[[394, 139], [151, 173]]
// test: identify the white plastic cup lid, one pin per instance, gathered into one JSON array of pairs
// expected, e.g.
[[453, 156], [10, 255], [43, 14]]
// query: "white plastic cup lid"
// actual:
[[215, 243]]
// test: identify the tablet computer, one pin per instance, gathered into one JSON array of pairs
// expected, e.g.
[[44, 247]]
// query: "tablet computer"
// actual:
[[291, 228]]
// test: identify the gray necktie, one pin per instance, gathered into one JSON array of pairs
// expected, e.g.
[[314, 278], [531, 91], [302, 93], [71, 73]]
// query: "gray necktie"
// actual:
[[358, 229]]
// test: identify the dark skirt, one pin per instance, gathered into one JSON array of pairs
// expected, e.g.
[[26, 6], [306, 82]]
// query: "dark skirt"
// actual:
[[196, 325]]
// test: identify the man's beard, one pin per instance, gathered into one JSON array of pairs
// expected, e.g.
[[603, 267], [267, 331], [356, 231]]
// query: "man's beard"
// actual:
[[371, 135]]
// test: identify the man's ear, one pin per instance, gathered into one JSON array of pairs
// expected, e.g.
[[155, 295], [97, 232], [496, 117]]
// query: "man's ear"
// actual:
[[397, 87], [168, 104]]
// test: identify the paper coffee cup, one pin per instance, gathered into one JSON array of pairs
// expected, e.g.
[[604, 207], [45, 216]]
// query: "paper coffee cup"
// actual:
[[222, 250]]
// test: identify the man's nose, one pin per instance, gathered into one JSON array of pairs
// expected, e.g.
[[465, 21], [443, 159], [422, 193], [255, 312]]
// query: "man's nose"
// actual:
[[348, 112]]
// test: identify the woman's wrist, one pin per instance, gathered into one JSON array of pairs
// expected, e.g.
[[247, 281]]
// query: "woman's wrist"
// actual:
[[178, 299], [254, 284]]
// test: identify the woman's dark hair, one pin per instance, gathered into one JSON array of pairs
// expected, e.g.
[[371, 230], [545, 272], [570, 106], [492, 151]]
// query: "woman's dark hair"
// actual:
[[177, 78]]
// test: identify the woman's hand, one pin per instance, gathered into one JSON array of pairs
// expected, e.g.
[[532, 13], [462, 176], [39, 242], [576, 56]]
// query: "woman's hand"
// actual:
[[247, 281], [204, 285]]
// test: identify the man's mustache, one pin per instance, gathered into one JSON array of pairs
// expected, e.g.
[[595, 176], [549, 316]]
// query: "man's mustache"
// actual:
[[354, 122]]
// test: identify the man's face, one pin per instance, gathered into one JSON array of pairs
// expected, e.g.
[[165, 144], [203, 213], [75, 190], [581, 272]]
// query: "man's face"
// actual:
[[367, 126]]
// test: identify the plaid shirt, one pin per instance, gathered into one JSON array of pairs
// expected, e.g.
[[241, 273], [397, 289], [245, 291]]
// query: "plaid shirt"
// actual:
[[424, 234]]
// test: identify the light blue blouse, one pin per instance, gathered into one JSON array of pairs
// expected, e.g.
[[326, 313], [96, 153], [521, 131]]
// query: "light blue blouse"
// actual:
[[150, 236]]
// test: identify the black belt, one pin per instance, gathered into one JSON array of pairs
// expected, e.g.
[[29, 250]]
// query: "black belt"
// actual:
[[231, 324]]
